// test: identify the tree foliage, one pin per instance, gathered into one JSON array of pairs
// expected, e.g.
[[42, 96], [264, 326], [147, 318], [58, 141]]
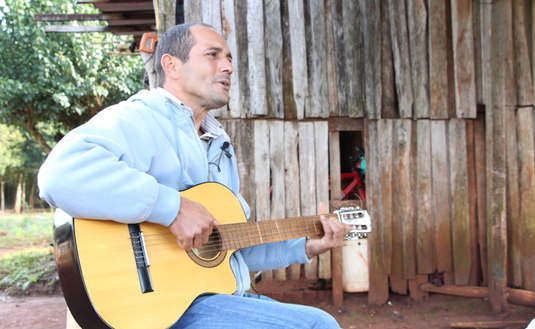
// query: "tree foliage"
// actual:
[[57, 81]]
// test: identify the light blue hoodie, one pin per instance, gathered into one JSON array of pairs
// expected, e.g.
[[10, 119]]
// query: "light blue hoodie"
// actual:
[[129, 162]]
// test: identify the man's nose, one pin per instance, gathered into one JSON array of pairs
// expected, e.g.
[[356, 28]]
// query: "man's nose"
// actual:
[[227, 66]]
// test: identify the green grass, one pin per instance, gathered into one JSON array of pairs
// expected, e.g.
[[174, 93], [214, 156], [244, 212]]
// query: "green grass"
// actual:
[[28, 271], [27, 262], [26, 230]]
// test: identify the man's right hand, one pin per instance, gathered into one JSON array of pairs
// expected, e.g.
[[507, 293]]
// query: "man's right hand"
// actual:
[[192, 225]]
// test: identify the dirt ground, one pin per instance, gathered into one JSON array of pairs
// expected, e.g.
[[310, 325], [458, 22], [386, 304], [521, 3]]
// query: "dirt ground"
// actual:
[[438, 311]]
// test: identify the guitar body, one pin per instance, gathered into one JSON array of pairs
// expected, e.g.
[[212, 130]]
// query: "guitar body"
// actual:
[[100, 280]]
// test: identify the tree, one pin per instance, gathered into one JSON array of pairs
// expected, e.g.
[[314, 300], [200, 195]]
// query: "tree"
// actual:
[[20, 158], [56, 80]]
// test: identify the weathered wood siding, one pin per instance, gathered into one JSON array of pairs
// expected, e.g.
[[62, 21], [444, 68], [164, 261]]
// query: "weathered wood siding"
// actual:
[[444, 92]]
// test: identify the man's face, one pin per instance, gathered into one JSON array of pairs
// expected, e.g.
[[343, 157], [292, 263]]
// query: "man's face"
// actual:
[[205, 77]]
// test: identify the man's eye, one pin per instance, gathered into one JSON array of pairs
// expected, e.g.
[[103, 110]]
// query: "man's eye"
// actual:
[[212, 54]]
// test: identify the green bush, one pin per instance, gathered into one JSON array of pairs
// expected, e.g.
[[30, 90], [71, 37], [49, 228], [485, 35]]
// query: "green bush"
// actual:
[[28, 271]]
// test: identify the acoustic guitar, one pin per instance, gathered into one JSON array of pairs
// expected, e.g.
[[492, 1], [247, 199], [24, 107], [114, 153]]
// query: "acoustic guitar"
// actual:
[[116, 275]]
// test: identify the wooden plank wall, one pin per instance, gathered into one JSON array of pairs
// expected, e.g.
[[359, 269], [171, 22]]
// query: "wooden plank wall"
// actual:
[[445, 92]]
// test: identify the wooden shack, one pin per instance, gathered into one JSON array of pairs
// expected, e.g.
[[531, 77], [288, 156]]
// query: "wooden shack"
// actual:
[[440, 95]]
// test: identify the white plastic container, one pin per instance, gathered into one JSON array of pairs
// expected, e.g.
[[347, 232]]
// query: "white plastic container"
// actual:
[[355, 265]]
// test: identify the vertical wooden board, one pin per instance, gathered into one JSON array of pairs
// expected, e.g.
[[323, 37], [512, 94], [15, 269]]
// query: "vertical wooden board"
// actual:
[[398, 282], [462, 259], [463, 59], [321, 139], [334, 165], [307, 177], [335, 187], [400, 47], [404, 207], [378, 290], [384, 145], [352, 47], [417, 17], [240, 132], [370, 13], [441, 198], [229, 30], [211, 13], [478, 50], [480, 165], [289, 106], [278, 181], [526, 159], [296, 13], [262, 168], [338, 47], [500, 32], [262, 175], [331, 28], [484, 14], [426, 259], [273, 42], [292, 192], [524, 79], [475, 270], [514, 234], [317, 60], [192, 11], [240, 10], [165, 14], [388, 86], [414, 286], [257, 63]]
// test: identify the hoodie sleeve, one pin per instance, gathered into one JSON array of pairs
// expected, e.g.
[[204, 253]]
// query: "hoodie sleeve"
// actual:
[[99, 170], [275, 255]]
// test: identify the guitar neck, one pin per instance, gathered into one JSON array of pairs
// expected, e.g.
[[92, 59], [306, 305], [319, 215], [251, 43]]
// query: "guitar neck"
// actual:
[[242, 235]]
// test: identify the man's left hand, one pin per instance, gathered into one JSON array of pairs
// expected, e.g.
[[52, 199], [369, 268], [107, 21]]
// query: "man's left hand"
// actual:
[[334, 232]]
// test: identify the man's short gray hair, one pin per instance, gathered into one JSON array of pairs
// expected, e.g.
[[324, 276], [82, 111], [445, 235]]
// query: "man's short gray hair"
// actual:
[[177, 42]]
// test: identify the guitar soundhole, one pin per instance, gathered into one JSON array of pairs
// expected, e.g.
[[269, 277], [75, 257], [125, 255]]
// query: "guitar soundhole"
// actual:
[[210, 254]]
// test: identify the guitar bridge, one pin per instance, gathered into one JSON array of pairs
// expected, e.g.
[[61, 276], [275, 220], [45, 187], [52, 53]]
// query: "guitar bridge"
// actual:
[[141, 257]]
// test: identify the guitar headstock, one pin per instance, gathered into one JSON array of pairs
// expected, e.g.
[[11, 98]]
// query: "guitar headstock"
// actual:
[[358, 219]]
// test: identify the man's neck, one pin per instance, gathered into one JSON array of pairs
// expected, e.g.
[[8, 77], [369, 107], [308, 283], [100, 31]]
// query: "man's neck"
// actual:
[[198, 113]]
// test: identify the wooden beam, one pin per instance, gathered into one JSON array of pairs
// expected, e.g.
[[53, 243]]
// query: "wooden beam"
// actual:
[[135, 22], [94, 29], [76, 17], [491, 324], [91, 1], [515, 296], [124, 6]]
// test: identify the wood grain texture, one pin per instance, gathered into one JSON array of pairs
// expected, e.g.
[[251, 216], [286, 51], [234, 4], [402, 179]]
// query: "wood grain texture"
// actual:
[[402, 65], [307, 177], [273, 48], [229, 30], [463, 59], [441, 204], [526, 161], [317, 60], [291, 177], [438, 60], [296, 13], [417, 27], [460, 218], [257, 61], [425, 221]]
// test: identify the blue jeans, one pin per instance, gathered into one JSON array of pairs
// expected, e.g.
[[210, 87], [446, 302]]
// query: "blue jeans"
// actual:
[[251, 311]]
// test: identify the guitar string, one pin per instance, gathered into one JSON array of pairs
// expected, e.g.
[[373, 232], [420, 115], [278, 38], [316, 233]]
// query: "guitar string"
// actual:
[[217, 244]]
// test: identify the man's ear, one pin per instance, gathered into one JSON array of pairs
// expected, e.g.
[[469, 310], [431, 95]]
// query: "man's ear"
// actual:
[[170, 64]]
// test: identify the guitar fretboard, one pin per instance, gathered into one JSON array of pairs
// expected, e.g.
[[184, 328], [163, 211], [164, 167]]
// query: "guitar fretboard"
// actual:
[[242, 235]]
